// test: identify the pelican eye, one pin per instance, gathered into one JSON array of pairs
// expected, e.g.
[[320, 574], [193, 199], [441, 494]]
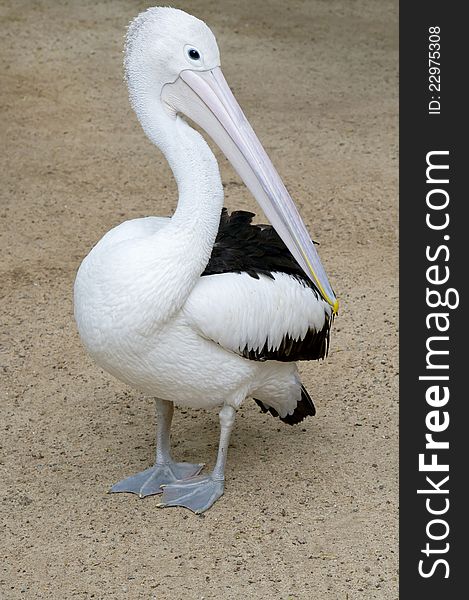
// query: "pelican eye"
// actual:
[[193, 54]]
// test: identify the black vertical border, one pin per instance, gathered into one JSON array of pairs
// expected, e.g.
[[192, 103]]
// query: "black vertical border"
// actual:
[[419, 134]]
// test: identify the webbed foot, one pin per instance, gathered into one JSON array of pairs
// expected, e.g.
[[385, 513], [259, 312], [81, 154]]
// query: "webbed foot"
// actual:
[[149, 482], [197, 494]]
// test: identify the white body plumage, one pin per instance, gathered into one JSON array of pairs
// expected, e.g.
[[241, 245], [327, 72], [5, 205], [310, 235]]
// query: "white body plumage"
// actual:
[[190, 356]]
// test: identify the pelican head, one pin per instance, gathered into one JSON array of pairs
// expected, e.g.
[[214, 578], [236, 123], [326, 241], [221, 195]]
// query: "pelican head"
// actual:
[[172, 66]]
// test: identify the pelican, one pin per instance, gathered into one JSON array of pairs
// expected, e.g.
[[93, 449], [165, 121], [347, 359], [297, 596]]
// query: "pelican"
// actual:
[[203, 309]]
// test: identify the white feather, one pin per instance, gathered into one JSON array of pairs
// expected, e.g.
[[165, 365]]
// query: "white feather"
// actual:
[[237, 311]]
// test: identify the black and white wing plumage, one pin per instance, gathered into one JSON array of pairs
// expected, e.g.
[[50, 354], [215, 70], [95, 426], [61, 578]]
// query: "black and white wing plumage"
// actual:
[[254, 299]]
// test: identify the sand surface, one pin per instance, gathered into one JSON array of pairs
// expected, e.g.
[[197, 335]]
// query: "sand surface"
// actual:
[[309, 512]]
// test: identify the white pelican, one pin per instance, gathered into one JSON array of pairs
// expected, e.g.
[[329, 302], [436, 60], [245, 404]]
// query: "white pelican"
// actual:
[[202, 309]]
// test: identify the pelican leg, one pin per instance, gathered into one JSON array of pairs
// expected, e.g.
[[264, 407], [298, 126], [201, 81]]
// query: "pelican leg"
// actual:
[[165, 470], [199, 493]]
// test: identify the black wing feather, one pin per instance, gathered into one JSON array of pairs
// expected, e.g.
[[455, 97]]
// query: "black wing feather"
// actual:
[[313, 346], [243, 247]]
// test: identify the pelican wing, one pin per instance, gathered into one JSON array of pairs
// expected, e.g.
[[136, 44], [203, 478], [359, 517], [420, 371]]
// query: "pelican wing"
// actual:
[[275, 317]]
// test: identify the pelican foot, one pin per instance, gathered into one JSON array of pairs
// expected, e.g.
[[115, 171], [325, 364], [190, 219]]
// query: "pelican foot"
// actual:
[[149, 482], [197, 494]]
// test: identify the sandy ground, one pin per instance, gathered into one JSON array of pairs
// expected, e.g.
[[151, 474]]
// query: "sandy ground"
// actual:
[[309, 512]]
